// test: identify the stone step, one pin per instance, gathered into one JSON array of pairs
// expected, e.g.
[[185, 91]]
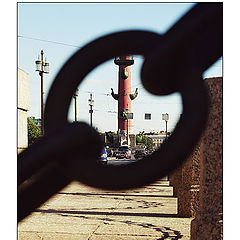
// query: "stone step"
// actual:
[[161, 183]]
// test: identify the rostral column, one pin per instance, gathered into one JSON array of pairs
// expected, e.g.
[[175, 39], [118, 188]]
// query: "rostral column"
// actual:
[[124, 96]]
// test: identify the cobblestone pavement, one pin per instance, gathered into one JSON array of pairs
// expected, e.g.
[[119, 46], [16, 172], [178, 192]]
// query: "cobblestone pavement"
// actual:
[[83, 213]]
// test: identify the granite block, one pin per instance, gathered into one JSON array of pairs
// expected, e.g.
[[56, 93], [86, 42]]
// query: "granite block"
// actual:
[[175, 180], [208, 223], [188, 193]]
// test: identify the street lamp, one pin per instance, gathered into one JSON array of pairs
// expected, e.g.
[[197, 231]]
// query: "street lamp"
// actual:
[[127, 122], [75, 100], [165, 117], [42, 67], [91, 103]]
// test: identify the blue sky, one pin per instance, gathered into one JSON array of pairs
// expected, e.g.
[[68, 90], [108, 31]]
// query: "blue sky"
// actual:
[[75, 24]]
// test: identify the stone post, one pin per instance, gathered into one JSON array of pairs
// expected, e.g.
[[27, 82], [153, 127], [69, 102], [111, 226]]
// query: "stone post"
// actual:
[[208, 221], [175, 179], [188, 192]]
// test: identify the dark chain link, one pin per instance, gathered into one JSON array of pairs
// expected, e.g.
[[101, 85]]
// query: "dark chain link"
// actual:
[[173, 62]]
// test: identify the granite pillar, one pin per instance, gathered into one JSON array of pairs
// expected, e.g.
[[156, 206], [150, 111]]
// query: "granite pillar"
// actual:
[[208, 221], [188, 192], [175, 180]]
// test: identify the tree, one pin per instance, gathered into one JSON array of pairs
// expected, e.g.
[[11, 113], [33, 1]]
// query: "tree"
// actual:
[[110, 138], [33, 131], [144, 140], [148, 142]]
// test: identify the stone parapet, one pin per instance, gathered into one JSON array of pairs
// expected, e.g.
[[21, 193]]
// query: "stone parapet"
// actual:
[[198, 182], [208, 221]]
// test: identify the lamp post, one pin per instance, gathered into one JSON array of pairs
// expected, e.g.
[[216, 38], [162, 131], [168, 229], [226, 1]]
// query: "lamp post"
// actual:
[[42, 67], [75, 101], [127, 122], [91, 103], [165, 117]]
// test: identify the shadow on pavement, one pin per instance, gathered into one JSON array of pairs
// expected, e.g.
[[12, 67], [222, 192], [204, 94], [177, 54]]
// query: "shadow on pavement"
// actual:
[[166, 215], [167, 233], [117, 194]]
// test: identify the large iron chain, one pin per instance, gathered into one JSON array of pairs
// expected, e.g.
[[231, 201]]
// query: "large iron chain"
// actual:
[[173, 62]]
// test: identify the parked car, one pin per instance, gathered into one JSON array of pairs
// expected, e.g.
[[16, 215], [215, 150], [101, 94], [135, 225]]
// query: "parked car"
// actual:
[[123, 154], [103, 157], [124, 148], [116, 153], [140, 153]]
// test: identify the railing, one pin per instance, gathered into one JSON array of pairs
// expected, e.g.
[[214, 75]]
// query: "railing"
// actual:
[[124, 60], [173, 62]]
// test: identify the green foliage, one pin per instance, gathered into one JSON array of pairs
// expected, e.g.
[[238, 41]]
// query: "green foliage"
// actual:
[[139, 138], [110, 138], [33, 131], [148, 143], [144, 140]]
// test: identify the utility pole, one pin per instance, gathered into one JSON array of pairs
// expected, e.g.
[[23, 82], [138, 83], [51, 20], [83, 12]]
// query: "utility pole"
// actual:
[[75, 101], [42, 67], [166, 129], [91, 103]]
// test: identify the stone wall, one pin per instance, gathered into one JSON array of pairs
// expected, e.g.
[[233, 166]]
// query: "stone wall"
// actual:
[[22, 108]]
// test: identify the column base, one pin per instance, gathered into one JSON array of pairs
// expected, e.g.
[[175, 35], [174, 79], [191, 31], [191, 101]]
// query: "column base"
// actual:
[[207, 226], [188, 201]]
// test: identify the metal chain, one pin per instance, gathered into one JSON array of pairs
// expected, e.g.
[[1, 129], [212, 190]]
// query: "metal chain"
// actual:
[[173, 62]]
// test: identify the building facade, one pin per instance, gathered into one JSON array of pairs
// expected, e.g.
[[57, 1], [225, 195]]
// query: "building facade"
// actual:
[[158, 138], [23, 102]]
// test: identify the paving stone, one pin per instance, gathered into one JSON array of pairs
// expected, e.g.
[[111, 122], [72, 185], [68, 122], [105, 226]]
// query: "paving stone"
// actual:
[[169, 226], [120, 237], [51, 236], [58, 227], [81, 212]]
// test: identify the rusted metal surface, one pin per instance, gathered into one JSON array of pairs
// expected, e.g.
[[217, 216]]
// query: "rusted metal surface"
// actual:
[[173, 62]]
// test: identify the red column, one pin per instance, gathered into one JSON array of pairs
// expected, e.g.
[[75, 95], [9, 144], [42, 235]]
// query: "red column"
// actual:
[[124, 89]]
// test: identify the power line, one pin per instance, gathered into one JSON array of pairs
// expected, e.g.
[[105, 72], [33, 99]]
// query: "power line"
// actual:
[[71, 45], [139, 102], [49, 41]]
